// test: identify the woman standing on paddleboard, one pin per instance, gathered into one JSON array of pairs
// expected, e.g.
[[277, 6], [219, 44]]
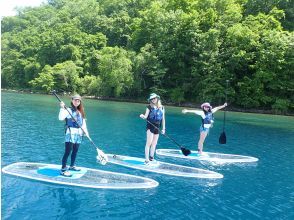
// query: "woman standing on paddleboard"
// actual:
[[74, 131], [155, 116], [207, 120]]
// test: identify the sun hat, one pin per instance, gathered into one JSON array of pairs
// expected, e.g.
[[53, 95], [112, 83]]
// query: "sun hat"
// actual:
[[206, 104], [153, 95], [76, 96]]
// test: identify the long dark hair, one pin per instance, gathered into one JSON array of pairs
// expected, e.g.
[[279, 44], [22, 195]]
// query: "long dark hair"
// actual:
[[205, 112], [80, 108]]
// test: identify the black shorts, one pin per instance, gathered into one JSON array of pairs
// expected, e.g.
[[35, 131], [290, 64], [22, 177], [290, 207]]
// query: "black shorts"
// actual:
[[152, 128]]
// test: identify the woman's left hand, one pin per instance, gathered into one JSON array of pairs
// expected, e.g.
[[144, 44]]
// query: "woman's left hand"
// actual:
[[163, 131], [62, 105]]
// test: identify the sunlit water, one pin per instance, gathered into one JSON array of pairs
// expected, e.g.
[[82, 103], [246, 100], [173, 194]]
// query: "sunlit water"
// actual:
[[264, 190]]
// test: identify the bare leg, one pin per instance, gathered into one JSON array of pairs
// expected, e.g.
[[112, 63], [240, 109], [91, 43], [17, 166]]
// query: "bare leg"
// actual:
[[202, 137], [148, 144], [153, 144]]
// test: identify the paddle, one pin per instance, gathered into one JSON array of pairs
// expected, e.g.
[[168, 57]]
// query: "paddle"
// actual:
[[223, 138], [184, 150], [101, 156]]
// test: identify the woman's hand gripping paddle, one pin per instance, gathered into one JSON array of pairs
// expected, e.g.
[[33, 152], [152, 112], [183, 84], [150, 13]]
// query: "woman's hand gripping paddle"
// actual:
[[101, 157], [223, 138], [184, 150]]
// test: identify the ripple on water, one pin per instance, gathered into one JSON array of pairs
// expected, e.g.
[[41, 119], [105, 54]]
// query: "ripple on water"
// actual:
[[32, 132]]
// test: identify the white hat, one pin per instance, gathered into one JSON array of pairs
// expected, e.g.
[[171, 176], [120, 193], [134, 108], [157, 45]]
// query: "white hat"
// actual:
[[76, 96], [206, 104], [153, 95]]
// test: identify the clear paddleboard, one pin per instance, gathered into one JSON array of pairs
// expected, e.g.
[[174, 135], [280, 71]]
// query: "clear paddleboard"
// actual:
[[86, 177], [207, 156], [162, 167]]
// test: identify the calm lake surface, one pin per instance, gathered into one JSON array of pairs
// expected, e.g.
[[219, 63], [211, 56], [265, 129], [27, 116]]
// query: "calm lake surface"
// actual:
[[31, 132]]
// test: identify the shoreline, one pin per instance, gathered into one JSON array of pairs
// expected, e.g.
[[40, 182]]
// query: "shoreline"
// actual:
[[185, 105]]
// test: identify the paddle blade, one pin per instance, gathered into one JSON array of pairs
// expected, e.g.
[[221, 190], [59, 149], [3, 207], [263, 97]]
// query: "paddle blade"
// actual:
[[101, 157], [185, 151], [222, 138]]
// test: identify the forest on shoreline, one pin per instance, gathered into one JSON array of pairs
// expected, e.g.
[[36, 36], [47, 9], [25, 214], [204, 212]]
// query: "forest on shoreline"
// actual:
[[189, 105], [184, 50]]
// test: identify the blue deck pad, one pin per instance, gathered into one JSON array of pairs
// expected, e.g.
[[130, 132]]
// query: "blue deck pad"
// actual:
[[153, 164], [136, 162], [199, 155], [53, 172]]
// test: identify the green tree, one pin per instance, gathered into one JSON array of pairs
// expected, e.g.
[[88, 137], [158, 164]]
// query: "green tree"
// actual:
[[61, 77], [148, 71], [45, 81], [91, 85], [115, 71]]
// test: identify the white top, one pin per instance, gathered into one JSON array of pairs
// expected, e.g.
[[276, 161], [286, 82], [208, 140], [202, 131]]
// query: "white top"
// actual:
[[63, 114]]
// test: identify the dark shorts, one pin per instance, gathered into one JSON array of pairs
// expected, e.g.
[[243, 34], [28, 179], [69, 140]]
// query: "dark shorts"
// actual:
[[152, 128]]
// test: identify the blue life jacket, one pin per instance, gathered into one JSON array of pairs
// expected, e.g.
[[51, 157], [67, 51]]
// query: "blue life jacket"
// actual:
[[208, 119], [69, 122], [155, 115]]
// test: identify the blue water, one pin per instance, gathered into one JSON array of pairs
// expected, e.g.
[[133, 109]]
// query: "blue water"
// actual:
[[264, 190]]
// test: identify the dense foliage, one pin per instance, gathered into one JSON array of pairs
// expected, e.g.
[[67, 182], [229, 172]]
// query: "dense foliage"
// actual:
[[183, 49]]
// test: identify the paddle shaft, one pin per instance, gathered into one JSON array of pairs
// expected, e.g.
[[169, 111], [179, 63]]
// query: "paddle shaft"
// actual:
[[224, 124], [165, 134], [54, 93]]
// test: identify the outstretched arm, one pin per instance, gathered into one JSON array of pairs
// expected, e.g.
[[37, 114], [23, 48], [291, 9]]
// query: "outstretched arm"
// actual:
[[219, 107], [197, 112]]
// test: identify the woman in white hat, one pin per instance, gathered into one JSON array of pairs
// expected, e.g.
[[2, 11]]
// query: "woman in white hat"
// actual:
[[74, 133], [207, 120], [155, 116]]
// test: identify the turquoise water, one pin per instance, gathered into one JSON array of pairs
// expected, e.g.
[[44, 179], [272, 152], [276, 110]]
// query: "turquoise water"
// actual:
[[264, 190]]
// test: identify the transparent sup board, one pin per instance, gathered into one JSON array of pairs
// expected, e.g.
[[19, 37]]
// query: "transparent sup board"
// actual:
[[207, 156], [89, 178], [162, 167]]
